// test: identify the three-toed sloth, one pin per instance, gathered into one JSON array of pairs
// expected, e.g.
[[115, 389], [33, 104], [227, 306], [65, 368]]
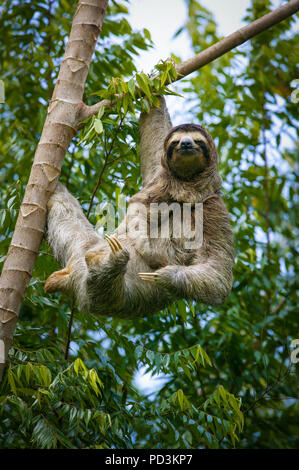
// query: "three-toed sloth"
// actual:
[[155, 256]]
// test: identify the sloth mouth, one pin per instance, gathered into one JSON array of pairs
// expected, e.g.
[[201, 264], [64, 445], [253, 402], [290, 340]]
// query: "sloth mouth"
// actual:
[[187, 151]]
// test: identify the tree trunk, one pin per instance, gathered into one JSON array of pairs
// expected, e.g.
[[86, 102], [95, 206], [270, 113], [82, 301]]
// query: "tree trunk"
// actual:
[[58, 131]]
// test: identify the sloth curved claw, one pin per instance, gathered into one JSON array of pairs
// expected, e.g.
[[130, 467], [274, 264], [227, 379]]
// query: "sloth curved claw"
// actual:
[[149, 277], [114, 244]]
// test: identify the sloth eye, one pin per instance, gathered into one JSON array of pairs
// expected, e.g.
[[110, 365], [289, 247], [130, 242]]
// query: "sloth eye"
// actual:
[[198, 142], [174, 142]]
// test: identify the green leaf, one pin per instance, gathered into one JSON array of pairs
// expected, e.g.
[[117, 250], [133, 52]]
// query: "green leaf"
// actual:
[[131, 87], [98, 125], [11, 381], [144, 82], [180, 396]]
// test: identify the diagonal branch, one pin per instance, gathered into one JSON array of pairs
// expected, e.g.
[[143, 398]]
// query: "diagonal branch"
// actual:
[[216, 50]]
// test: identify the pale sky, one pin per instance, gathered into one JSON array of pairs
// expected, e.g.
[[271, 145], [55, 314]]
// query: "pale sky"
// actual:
[[163, 18]]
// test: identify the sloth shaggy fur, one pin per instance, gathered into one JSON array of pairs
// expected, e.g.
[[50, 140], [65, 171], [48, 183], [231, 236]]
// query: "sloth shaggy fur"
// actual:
[[129, 276]]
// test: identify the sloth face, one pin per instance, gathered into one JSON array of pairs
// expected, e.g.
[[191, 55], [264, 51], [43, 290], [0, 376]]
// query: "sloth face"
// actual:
[[187, 153]]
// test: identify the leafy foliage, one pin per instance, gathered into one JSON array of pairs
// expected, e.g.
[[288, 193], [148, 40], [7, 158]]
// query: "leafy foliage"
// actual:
[[228, 380]]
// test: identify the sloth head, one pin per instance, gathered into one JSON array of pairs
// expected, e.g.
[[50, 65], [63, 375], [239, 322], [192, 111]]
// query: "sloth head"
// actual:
[[189, 151]]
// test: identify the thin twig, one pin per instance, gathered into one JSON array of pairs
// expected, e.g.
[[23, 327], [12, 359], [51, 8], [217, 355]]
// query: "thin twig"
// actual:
[[68, 340], [267, 390], [106, 163], [96, 188], [267, 208], [281, 305]]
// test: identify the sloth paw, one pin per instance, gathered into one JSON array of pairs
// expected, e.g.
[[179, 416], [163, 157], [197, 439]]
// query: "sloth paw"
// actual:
[[149, 277], [59, 280], [114, 244]]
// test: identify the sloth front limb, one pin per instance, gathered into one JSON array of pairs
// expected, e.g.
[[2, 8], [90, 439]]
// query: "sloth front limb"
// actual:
[[153, 127], [70, 235], [206, 282]]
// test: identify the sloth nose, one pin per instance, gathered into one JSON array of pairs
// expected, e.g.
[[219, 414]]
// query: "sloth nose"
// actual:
[[186, 143]]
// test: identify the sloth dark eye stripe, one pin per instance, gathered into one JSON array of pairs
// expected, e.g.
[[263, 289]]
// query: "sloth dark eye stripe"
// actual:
[[203, 147], [170, 148]]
